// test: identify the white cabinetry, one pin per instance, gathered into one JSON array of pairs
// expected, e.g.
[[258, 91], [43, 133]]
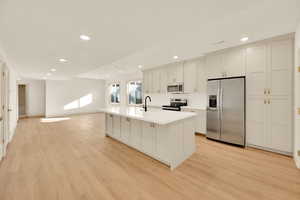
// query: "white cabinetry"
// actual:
[[175, 73], [125, 129], [214, 66], [148, 138], [156, 78], [117, 127], [136, 134], [109, 124], [269, 103], [201, 77], [190, 76], [147, 81], [200, 119]]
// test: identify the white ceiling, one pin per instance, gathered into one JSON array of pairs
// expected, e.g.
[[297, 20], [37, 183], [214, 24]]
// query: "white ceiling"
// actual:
[[124, 34]]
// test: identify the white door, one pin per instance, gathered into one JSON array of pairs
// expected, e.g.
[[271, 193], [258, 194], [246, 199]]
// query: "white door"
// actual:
[[280, 95], [125, 130], [136, 134], [148, 138], [256, 113], [190, 76], [156, 74], [234, 63], [117, 127]]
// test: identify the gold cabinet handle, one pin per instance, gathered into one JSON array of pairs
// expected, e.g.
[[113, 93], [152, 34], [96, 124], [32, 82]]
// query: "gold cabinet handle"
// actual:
[[265, 101], [269, 91], [265, 91], [269, 101]]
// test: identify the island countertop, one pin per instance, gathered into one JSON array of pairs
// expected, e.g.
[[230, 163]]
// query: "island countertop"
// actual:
[[161, 117]]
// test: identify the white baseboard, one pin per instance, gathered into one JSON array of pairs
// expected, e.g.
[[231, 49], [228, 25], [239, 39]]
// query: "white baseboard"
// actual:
[[269, 149], [297, 162], [71, 114]]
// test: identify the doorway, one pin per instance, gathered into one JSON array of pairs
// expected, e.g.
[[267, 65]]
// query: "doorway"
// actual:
[[22, 100]]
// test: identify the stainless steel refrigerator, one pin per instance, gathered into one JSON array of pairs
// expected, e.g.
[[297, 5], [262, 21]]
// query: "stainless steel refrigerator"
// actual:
[[226, 110]]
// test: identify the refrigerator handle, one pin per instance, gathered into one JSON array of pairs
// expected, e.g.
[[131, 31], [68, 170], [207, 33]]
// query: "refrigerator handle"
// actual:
[[221, 100]]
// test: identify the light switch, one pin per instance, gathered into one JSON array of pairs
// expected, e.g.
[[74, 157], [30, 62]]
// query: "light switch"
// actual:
[[299, 153]]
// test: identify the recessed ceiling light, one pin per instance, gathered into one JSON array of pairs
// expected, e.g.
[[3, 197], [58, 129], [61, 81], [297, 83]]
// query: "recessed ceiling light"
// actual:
[[52, 70], [49, 74], [62, 60], [85, 37], [140, 66], [244, 39], [175, 57]]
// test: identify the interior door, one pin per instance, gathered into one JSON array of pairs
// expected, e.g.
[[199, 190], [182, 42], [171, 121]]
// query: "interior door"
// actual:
[[232, 110], [213, 112], [1, 112]]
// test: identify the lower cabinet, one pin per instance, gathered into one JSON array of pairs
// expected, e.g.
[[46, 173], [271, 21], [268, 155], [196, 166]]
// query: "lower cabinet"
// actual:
[[116, 127], [136, 134], [148, 137], [200, 119], [125, 129], [109, 124]]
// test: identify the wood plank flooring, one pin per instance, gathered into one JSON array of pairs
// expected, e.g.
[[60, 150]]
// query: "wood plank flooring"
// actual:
[[71, 159]]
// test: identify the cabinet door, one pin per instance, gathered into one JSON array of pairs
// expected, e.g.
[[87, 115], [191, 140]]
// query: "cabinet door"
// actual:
[[125, 130], [256, 121], [117, 127], [188, 136], [256, 68], [156, 75], [214, 66], [148, 138], [201, 77], [280, 95], [109, 124], [147, 77], [163, 80], [136, 134], [175, 73], [163, 146], [234, 63], [190, 79]]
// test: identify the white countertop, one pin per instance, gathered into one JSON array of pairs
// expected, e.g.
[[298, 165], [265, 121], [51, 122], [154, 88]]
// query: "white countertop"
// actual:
[[161, 117]]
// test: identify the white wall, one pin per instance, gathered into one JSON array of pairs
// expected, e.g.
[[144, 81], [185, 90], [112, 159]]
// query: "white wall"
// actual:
[[74, 96], [297, 97], [35, 96]]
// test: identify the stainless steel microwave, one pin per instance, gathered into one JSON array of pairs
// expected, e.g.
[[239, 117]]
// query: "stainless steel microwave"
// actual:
[[175, 88]]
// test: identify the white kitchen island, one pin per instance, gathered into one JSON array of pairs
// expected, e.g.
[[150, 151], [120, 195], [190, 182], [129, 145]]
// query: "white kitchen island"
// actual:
[[166, 136]]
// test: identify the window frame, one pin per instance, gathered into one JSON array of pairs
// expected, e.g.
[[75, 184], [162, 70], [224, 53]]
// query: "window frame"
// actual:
[[127, 92], [110, 86]]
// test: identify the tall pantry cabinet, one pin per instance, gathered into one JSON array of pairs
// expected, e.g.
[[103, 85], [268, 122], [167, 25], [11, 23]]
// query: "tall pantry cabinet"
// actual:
[[269, 95]]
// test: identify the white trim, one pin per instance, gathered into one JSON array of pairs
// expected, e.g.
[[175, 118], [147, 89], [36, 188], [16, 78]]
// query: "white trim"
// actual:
[[270, 150]]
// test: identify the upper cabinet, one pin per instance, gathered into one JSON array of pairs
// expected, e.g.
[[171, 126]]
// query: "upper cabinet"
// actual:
[[190, 76], [214, 66], [234, 62], [156, 78], [147, 81], [226, 64], [175, 73]]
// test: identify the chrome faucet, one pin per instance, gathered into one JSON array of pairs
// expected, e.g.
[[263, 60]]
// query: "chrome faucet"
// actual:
[[145, 106]]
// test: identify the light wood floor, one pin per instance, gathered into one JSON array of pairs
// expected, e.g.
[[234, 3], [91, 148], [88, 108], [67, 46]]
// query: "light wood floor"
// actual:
[[72, 159]]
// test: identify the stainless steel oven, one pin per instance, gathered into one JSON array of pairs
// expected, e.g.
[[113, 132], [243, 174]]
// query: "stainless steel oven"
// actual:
[[175, 88]]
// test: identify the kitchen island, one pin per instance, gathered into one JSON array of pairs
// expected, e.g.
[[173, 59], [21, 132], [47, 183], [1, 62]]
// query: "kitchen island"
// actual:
[[166, 136]]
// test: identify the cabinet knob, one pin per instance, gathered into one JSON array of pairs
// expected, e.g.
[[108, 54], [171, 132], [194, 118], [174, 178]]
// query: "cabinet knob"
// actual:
[[269, 91], [265, 91], [265, 101], [269, 101]]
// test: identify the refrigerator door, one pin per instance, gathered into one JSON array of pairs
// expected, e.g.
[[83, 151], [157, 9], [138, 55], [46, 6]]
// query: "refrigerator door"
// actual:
[[232, 110], [213, 112]]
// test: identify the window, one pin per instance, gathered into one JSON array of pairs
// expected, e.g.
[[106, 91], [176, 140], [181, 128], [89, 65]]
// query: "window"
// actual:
[[115, 93], [134, 89]]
